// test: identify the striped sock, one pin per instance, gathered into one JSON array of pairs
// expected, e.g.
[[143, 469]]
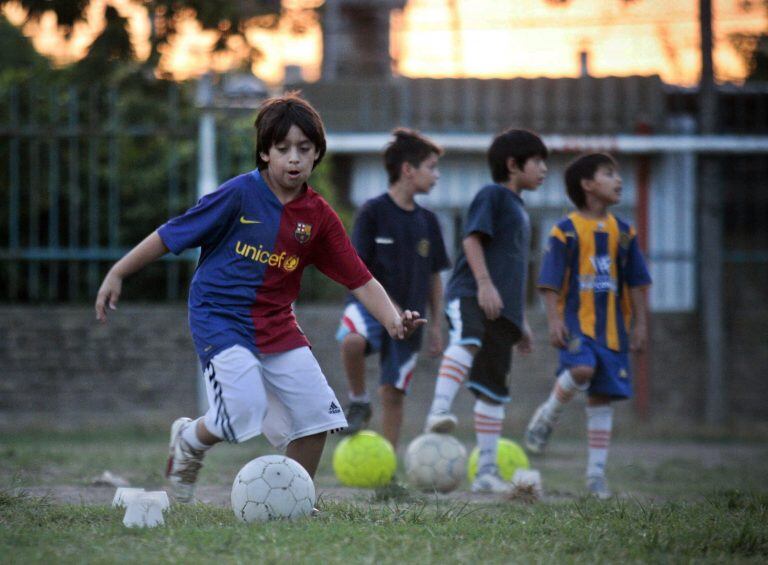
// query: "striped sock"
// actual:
[[488, 420], [453, 370], [599, 424], [564, 390]]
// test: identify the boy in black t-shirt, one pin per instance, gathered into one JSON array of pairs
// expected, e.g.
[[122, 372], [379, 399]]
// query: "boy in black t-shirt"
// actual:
[[485, 299], [401, 243]]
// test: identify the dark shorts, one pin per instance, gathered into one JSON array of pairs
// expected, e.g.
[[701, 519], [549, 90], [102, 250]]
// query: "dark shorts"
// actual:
[[397, 357], [612, 377], [495, 338]]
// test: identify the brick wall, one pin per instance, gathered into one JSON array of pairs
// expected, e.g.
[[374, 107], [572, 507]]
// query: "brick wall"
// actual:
[[62, 369]]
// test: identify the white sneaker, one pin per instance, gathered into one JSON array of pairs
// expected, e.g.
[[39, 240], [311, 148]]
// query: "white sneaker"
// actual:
[[440, 422], [184, 462], [491, 483]]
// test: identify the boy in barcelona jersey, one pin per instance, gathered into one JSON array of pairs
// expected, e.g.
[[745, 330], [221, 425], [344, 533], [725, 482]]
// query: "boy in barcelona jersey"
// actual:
[[257, 233]]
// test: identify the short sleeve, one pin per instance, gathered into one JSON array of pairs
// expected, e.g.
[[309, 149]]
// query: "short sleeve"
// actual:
[[440, 260], [204, 223], [555, 261], [364, 234], [636, 271], [335, 256], [480, 218]]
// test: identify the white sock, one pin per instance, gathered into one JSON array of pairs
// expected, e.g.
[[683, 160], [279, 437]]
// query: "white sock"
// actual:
[[488, 420], [564, 390], [363, 398], [453, 370], [189, 434], [599, 425]]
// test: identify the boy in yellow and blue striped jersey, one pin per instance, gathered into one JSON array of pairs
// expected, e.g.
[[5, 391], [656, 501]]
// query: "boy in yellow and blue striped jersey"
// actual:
[[593, 278]]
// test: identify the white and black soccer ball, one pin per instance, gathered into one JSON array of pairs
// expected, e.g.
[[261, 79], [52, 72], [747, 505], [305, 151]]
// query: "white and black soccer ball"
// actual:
[[435, 462], [272, 487]]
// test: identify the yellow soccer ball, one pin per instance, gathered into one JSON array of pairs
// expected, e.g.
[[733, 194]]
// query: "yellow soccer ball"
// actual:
[[365, 459], [510, 458]]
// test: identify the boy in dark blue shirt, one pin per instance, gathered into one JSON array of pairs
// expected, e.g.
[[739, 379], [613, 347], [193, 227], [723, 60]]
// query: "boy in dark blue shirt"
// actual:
[[401, 244], [485, 299]]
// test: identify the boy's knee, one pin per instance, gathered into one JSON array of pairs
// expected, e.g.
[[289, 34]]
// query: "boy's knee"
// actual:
[[391, 396], [595, 400], [487, 399], [353, 344], [582, 374]]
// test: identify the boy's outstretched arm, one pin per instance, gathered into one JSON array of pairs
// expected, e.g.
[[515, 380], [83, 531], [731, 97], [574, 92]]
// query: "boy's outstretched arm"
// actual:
[[488, 296], [558, 333], [375, 299], [638, 338], [149, 250]]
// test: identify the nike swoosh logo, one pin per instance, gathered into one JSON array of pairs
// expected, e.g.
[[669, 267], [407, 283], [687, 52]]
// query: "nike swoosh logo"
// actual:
[[244, 221]]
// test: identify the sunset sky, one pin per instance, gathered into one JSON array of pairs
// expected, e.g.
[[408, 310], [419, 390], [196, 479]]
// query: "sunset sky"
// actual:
[[479, 38]]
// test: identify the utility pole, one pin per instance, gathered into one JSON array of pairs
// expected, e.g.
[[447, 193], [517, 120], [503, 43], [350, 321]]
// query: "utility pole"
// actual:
[[710, 264]]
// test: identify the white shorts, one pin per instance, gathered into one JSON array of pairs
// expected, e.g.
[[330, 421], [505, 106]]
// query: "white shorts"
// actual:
[[283, 395]]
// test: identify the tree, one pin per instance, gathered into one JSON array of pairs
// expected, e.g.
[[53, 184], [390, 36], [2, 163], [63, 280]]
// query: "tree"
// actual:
[[16, 51], [112, 45], [228, 18]]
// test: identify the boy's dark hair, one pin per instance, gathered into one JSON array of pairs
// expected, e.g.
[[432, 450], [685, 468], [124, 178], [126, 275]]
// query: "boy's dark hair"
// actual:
[[519, 144], [582, 168], [275, 118], [409, 146]]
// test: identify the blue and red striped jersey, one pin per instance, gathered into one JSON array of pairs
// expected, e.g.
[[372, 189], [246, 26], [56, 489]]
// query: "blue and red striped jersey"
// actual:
[[253, 250], [591, 264]]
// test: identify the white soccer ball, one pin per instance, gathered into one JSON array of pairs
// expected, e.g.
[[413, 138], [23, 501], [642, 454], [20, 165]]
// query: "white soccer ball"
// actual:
[[435, 462], [270, 488]]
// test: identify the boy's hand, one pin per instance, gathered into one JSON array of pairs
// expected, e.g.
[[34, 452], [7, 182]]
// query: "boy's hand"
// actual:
[[404, 325], [489, 299], [108, 295], [558, 333], [638, 338], [435, 340]]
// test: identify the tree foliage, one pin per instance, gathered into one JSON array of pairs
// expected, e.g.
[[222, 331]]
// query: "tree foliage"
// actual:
[[225, 17]]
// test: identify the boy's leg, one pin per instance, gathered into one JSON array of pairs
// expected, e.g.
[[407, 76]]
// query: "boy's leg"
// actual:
[[359, 334], [358, 410], [454, 368], [489, 417], [398, 360], [185, 457], [391, 412], [599, 427], [302, 407], [568, 383], [612, 381], [488, 380], [466, 322], [353, 356], [237, 402], [307, 451]]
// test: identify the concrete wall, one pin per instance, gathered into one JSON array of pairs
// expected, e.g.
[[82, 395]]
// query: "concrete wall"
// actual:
[[62, 369]]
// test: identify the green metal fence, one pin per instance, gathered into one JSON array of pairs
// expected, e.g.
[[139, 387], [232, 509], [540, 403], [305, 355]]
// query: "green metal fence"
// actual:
[[86, 173]]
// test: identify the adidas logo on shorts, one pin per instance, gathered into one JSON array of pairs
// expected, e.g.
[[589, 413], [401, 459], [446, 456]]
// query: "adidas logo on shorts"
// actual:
[[333, 409]]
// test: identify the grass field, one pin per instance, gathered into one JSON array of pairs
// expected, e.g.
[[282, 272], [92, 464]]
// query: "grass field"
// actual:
[[678, 501]]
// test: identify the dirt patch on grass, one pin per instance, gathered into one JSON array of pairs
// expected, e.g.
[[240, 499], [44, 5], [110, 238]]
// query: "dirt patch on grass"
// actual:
[[643, 470]]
